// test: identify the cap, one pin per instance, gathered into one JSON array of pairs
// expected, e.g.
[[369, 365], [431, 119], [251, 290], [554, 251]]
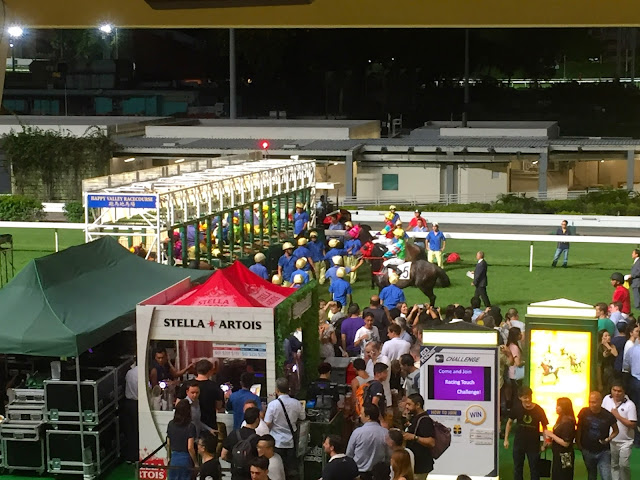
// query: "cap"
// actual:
[[617, 276], [388, 216], [297, 279], [417, 211], [348, 224], [398, 232], [333, 243], [435, 224], [287, 246], [301, 263], [393, 278], [302, 241], [341, 272], [313, 234], [236, 220], [276, 280], [256, 206], [398, 222], [259, 257], [299, 205], [392, 207], [337, 260], [265, 208]]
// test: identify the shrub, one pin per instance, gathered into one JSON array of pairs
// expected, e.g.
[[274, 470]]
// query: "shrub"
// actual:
[[74, 211], [19, 208]]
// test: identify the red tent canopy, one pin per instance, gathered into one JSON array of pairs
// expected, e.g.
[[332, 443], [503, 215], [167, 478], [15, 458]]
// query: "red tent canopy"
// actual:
[[235, 286]]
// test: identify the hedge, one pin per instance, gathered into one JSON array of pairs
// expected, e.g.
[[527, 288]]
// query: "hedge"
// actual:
[[20, 208]]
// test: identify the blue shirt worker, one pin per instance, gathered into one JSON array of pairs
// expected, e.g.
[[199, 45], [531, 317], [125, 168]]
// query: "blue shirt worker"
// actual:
[[317, 255], [300, 264], [335, 251], [562, 246], [300, 220], [287, 264], [352, 246], [436, 242], [340, 288], [332, 272], [258, 267], [237, 399], [298, 281], [392, 295], [303, 252]]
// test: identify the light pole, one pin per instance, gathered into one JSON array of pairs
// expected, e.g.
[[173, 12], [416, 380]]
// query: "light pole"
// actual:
[[15, 32], [107, 29]]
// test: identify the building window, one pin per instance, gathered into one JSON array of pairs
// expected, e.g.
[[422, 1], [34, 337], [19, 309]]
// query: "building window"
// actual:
[[389, 181]]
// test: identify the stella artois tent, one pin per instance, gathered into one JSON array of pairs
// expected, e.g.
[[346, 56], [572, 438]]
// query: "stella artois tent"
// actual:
[[233, 315]]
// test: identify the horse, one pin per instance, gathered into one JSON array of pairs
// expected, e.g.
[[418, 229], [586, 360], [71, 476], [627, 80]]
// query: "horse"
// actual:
[[424, 275]]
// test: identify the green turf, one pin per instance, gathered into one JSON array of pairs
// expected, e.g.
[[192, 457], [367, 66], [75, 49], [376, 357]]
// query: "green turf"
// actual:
[[30, 243], [510, 282]]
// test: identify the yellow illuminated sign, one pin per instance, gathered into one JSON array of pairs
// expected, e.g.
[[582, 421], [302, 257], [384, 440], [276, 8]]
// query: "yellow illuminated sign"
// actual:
[[560, 366], [324, 13]]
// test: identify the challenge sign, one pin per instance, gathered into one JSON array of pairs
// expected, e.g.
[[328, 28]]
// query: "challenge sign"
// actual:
[[459, 386]]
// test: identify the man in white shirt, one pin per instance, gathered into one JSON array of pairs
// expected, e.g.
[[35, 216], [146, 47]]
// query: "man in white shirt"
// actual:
[[395, 347], [266, 445], [372, 356], [624, 410], [130, 413], [262, 428], [278, 411], [368, 333]]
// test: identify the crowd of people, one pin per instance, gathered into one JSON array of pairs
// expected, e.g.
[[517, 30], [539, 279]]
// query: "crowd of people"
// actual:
[[394, 436]]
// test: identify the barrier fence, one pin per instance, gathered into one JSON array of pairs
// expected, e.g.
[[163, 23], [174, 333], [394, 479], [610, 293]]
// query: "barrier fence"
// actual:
[[628, 240]]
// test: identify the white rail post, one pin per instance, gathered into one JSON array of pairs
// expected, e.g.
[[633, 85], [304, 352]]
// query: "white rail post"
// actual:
[[531, 257], [55, 234]]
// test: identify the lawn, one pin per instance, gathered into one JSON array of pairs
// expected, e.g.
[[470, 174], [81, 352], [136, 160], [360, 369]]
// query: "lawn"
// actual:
[[510, 282]]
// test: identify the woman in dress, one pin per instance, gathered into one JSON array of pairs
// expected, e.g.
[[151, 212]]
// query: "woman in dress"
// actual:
[[181, 436], [401, 465], [327, 334], [516, 369], [606, 358], [562, 437]]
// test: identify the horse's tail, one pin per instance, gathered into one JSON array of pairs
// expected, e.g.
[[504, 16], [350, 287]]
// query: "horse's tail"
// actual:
[[443, 278]]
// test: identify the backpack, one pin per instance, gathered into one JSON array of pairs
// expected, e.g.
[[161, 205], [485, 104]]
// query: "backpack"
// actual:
[[242, 453], [363, 396], [442, 437]]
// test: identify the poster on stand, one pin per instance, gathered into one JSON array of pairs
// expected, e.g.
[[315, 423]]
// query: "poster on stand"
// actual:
[[460, 389]]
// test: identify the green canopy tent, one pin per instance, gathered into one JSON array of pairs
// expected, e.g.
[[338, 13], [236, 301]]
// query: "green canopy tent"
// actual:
[[63, 304]]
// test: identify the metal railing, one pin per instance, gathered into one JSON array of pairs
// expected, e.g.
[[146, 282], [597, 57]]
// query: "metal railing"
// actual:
[[464, 198]]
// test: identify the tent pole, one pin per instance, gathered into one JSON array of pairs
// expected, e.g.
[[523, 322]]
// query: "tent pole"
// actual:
[[85, 469]]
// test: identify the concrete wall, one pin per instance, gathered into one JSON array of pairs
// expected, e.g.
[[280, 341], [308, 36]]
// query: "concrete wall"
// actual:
[[277, 129], [412, 181], [479, 181], [557, 182]]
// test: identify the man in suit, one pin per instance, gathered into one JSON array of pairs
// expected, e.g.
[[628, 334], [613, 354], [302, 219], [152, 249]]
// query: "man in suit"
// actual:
[[635, 277], [480, 279]]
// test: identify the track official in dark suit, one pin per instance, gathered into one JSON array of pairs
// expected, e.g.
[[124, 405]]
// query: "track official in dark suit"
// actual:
[[480, 279], [635, 277]]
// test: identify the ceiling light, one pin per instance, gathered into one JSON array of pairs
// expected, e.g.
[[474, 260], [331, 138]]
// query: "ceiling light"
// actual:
[[15, 31], [127, 160], [106, 28], [180, 160]]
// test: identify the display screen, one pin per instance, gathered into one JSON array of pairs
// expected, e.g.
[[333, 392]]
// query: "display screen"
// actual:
[[560, 367], [459, 382]]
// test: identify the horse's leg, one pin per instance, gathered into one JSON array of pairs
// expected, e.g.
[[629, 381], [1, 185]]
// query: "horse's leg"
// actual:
[[428, 291]]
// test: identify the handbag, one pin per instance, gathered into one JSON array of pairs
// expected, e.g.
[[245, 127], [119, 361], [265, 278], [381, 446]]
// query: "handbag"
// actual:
[[520, 373], [544, 466]]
